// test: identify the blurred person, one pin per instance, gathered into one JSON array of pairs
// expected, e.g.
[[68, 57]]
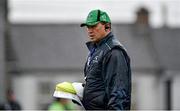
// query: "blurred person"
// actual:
[[60, 104], [70, 91], [107, 70], [12, 103], [1, 106]]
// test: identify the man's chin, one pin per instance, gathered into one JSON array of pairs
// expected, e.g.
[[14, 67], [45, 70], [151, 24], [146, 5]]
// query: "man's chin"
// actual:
[[91, 39], [94, 41]]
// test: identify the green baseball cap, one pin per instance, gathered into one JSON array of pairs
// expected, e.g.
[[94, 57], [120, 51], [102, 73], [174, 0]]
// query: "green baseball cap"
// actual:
[[96, 16]]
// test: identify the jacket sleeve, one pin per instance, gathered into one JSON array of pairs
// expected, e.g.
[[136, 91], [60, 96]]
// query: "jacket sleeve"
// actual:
[[117, 81]]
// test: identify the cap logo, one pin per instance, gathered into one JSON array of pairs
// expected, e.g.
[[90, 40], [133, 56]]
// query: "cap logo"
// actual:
[[90, 16]]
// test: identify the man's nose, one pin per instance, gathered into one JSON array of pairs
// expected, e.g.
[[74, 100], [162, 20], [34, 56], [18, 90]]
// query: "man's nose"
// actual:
[[89, 30]]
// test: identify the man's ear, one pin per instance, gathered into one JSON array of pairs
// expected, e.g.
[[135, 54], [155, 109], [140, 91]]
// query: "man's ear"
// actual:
[[107, 26]]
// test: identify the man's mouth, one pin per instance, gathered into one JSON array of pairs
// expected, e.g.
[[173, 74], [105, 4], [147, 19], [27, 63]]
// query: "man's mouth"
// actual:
[[91, 36]]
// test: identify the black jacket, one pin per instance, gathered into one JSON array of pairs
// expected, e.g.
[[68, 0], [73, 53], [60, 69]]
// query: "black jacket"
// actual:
[[107, 76]]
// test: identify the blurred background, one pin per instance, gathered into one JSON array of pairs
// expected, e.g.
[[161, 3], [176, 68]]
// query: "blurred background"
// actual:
[[41, 44]]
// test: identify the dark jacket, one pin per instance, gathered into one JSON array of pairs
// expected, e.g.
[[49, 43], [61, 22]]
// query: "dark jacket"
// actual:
[[107, 76], [12, 105]]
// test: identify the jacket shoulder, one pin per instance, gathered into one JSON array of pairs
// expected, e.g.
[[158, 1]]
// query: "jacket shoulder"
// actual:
[[112, 43]]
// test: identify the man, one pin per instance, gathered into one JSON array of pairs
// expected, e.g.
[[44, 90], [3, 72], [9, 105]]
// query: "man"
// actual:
[[11, 104], [107, 70]]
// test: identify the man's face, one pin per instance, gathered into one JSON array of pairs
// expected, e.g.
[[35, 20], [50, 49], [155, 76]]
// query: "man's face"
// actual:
[[96, 32]]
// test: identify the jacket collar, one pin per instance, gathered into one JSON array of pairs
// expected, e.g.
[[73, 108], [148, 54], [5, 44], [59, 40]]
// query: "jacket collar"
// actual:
[[92, 45]]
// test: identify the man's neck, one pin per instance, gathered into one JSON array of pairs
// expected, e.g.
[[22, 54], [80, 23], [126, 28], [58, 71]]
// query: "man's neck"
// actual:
[[108, 31]]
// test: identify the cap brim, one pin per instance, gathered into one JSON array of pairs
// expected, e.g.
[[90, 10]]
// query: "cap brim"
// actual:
[[83, 24], [65, 95]]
